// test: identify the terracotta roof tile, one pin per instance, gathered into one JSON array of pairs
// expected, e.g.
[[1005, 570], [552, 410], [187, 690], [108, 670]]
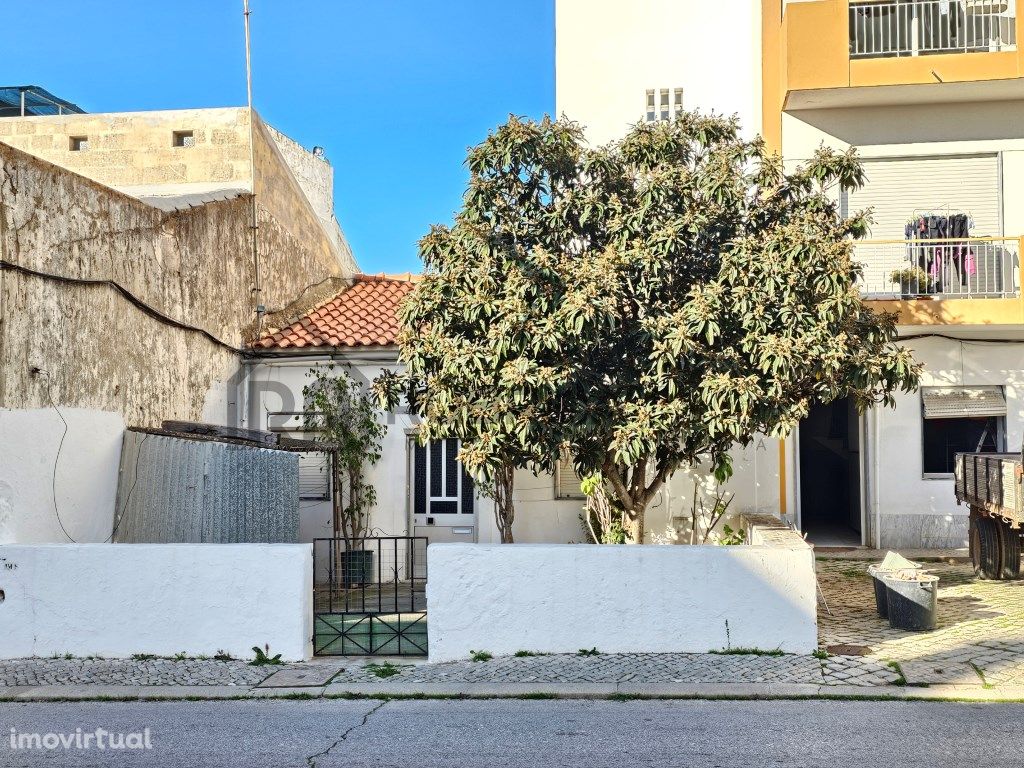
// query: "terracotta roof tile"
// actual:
[[364, 314]]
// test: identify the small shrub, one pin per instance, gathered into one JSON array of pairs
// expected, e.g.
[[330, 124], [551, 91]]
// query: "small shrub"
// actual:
[[263, 657], [820, 653], [731, 538], [586, 652]]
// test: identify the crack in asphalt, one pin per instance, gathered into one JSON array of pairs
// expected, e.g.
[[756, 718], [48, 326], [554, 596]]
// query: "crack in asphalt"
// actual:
[[311, 760]]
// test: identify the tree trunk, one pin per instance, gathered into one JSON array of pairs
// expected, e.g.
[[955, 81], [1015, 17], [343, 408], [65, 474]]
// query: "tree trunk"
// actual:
[[634, 525], [504, 508]]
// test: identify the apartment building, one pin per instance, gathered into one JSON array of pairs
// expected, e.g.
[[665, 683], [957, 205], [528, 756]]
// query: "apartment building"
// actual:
[[931, 94]]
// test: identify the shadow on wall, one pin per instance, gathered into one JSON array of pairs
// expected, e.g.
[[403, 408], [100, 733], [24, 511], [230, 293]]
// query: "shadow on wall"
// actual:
[[864, 127]]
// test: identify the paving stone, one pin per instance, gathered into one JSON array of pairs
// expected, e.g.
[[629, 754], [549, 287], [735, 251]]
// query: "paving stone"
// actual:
[[979, 622]]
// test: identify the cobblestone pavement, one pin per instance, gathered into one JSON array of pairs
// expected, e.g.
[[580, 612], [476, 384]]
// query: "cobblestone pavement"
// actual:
[[130, 672], [639, 668], [980, 624]]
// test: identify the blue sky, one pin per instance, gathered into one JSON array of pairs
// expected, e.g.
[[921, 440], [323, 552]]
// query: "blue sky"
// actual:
[[394, 90]]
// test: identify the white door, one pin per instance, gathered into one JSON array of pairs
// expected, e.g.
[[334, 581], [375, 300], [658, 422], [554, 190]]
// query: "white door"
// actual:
[[443, 503]]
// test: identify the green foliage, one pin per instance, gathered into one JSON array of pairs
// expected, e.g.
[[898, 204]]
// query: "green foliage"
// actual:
[[643, 305], [748, 652], [588, 652], [731, 537], [525, 654], [342, 414], [385, 670], [263, 657], [143, 656], [820, 653], [223, 656], [480, 655]]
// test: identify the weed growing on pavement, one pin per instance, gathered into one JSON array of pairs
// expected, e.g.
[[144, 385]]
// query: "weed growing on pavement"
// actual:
[[263, 657], [480, 655], [820, 653], [524, 654], [387, 669], [747, 652], [586, 652], [893, 665]]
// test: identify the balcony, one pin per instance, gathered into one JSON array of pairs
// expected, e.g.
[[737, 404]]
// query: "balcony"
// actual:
[[851, 53], [977, 268], [899, 28]]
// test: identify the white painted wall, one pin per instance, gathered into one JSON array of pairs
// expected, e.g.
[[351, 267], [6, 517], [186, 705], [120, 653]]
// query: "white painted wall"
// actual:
[[115, 600], [911, 507], [619, 599], [84, 475], [607, 54]]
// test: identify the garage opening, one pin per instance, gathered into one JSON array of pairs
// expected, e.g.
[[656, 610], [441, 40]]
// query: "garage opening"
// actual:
[[830, 484]]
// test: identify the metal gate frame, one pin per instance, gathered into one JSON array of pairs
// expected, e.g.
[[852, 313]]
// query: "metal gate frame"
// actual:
[[369, 596]]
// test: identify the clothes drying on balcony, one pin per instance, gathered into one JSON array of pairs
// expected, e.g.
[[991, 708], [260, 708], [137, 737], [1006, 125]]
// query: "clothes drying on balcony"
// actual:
[[944, 262]]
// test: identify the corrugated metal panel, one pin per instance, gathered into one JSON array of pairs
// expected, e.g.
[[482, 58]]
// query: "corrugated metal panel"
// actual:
[[567, 482], [962, 402], [174, 490], [897, 188]]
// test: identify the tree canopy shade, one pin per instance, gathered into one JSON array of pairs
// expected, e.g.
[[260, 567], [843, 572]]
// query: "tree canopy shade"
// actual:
[[639, 306]]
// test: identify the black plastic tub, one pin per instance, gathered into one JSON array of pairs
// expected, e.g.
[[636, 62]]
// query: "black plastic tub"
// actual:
[[911, 602], [881, 598]]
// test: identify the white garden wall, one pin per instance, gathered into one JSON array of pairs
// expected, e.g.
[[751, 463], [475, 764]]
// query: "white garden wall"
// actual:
[[46, 483], [115, 600], [619, 599]]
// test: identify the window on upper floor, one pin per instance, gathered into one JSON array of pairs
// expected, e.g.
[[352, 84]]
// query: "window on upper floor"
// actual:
[[183, 139], [663, 103], [79, 144]]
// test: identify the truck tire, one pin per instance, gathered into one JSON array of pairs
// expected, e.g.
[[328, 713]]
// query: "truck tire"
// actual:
[[986, 559], [1009, 550]]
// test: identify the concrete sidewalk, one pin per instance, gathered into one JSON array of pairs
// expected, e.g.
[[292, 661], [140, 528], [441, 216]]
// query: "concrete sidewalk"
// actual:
[[550, 676]]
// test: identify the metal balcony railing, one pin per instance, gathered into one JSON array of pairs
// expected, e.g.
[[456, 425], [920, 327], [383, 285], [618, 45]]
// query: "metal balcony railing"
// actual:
[[978, 268], [893, 28]]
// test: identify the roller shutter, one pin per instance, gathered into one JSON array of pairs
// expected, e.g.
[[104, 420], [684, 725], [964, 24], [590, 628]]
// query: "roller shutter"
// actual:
[[897, 188], [962, 402]]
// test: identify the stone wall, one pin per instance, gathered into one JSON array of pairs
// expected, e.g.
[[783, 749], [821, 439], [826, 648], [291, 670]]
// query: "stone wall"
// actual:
[[136, 149]]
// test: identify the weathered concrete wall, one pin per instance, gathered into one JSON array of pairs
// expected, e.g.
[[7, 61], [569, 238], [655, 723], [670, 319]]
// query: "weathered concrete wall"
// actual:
[[97, 350], [315, 177], [120, 599], [132, 149], [281, 199], [620, 599]]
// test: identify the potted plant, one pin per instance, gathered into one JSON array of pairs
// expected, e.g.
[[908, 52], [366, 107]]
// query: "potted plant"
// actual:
[[342, 414], [913, 281]]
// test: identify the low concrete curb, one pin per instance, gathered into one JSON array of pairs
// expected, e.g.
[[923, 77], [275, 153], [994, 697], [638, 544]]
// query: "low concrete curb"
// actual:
[[517, 690]]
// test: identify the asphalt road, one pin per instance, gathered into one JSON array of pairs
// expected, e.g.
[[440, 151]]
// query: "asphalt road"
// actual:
[[439, 733]]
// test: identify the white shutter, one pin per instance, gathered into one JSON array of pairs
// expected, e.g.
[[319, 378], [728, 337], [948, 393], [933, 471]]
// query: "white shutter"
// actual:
[[567, 482], [314, 476], [962, 402], [898, 187]]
